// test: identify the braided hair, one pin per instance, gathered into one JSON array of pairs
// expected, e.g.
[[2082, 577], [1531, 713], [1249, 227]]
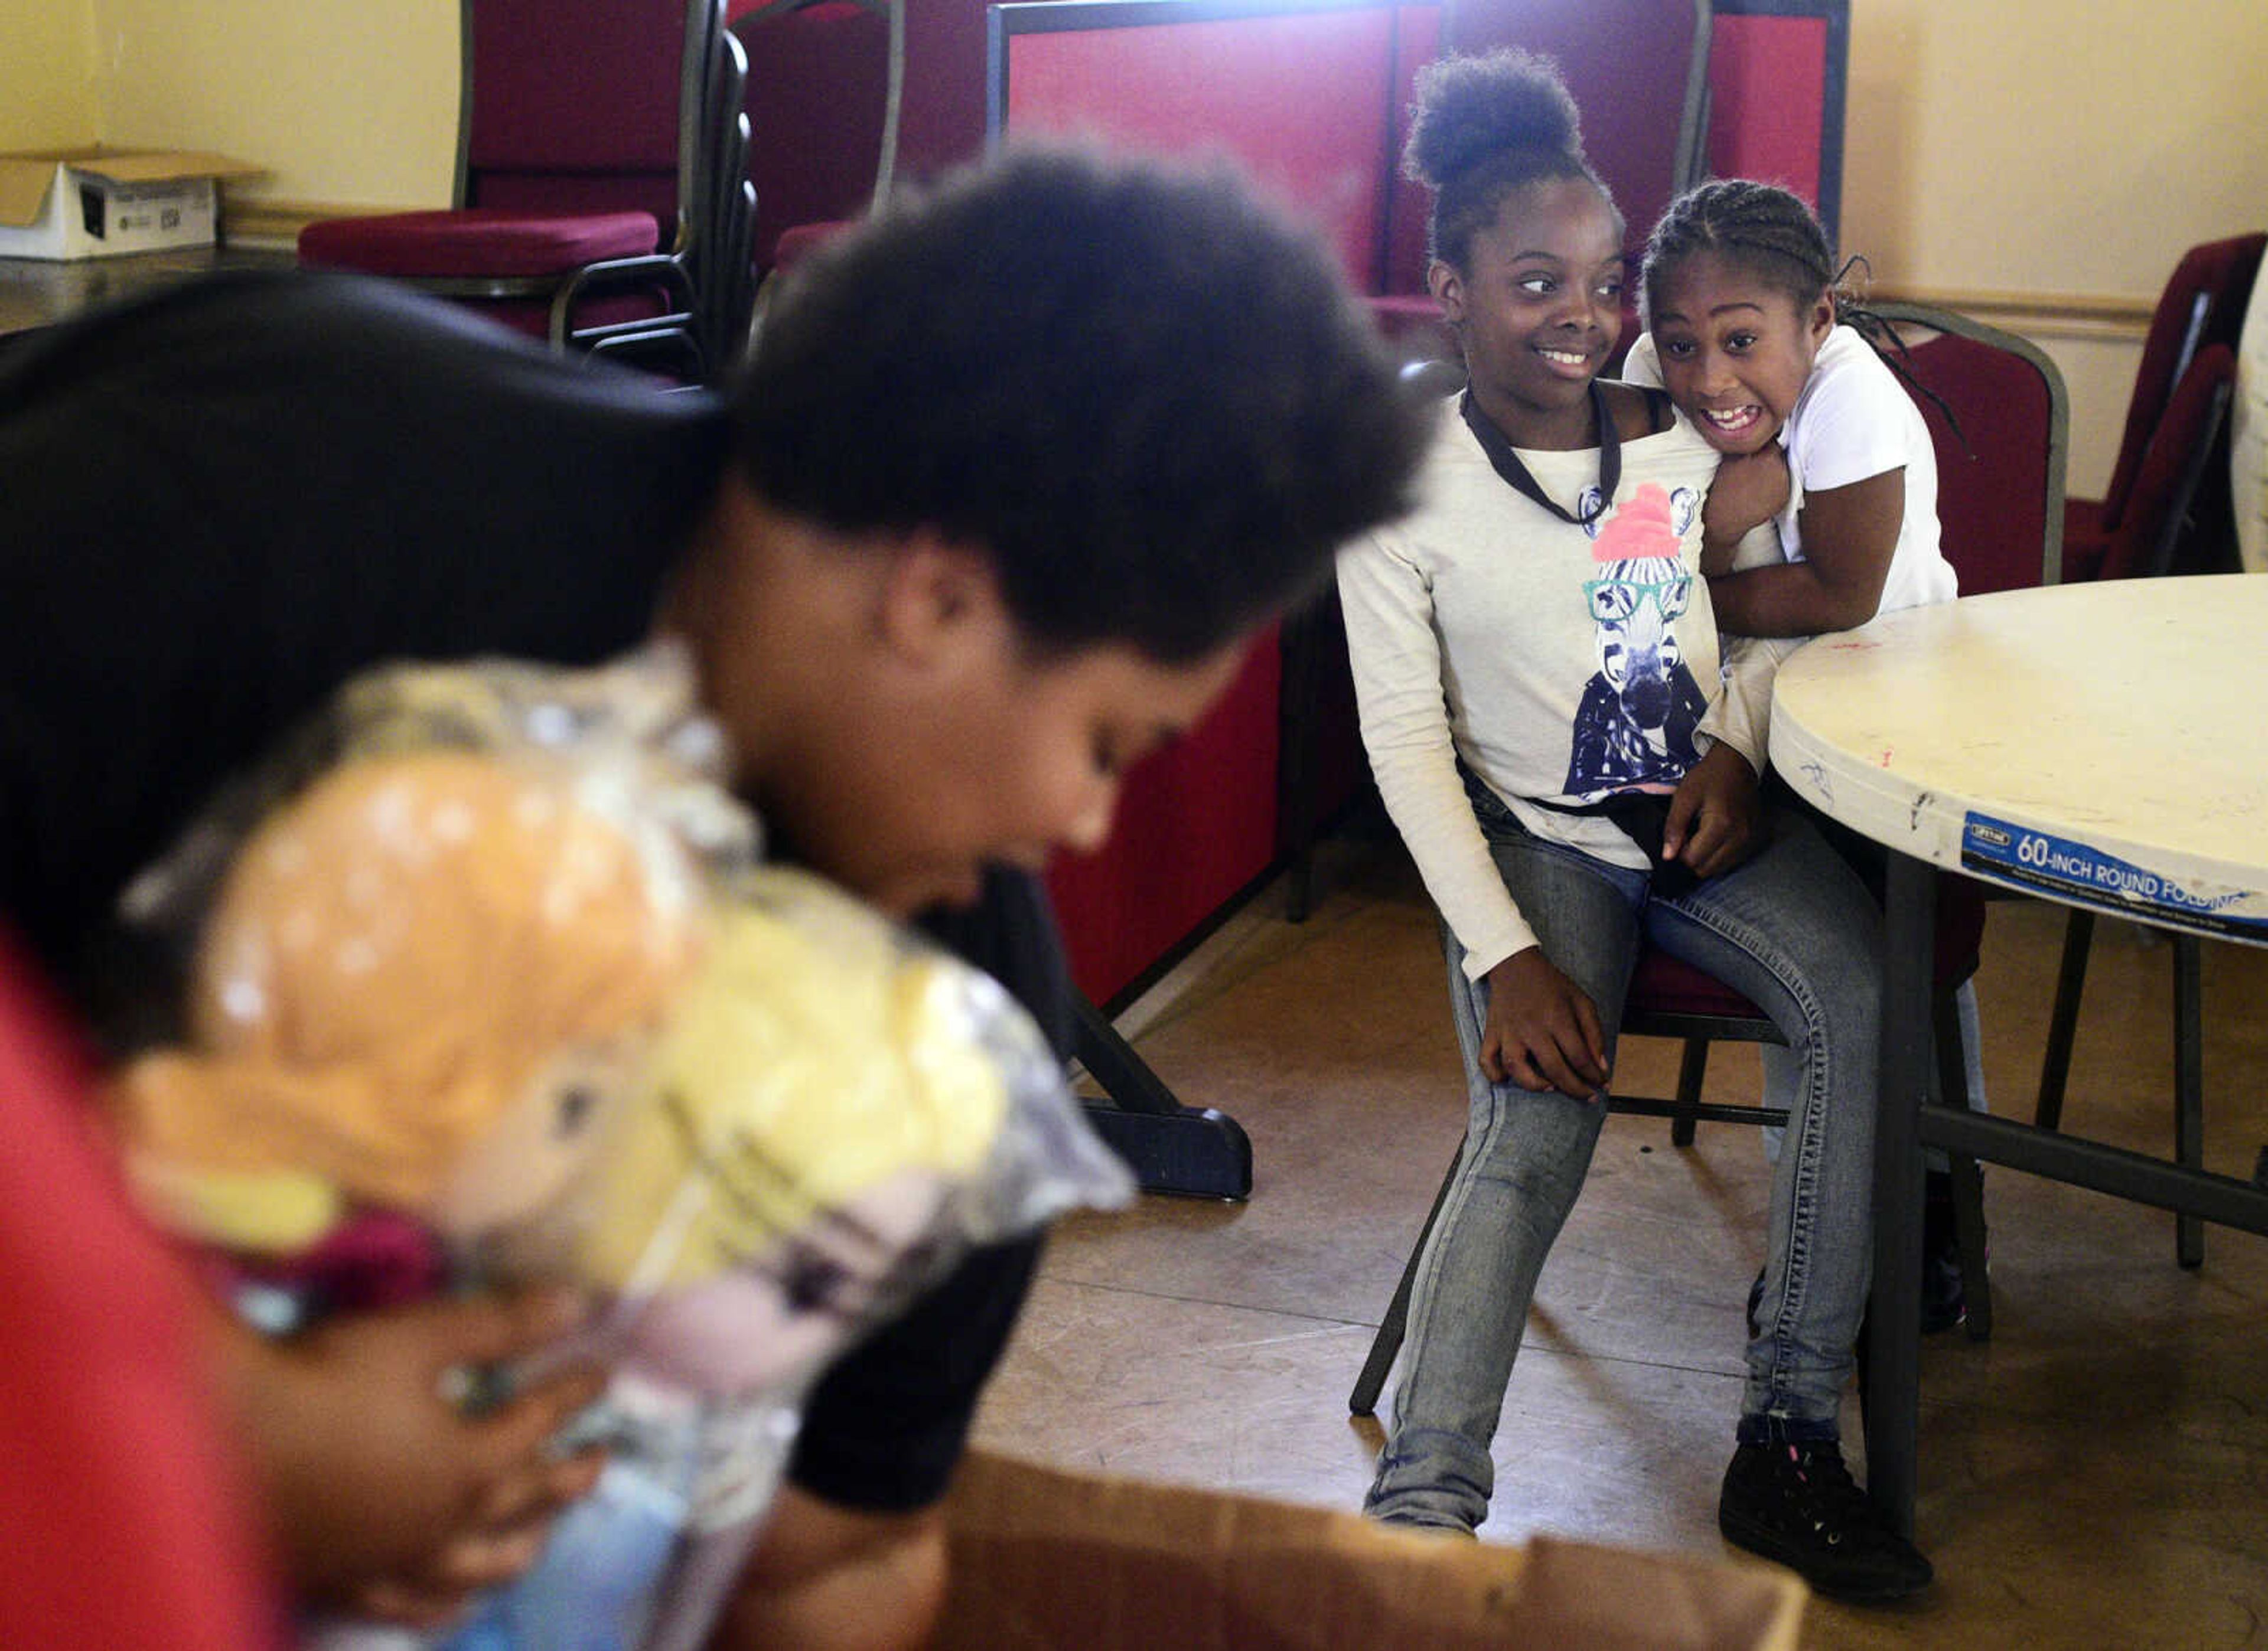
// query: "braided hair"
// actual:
[[1483, 126], [1770, 232], [1762, 227]]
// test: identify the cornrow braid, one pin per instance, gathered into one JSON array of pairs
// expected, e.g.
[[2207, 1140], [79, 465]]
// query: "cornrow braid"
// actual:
[[1770, 232], [1482, 127], [1760, 225]]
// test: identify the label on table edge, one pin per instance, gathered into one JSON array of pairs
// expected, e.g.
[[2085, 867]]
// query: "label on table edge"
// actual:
[[2035, 859]]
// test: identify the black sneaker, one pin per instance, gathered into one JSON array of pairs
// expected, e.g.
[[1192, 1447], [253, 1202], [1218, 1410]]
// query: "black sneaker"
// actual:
[[1796, 1504]]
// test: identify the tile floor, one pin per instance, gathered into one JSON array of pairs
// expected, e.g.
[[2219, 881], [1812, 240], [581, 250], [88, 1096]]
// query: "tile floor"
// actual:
[[2096, 1475]]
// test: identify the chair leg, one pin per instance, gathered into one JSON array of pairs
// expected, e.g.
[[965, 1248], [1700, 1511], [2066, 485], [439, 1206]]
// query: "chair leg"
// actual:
[[1363, 1401], [2063, 1026], [1692, 1068], [1299, 669], [2189, 1084], [1952, 1089]]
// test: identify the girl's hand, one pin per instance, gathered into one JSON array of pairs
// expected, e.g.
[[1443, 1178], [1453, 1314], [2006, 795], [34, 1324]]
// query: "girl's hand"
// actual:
[[1712, 825], [1749, 490], [1542, 1030], [384, 1496]]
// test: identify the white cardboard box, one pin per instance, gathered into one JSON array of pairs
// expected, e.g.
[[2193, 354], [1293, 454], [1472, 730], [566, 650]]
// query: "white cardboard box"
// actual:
[[99, 202]]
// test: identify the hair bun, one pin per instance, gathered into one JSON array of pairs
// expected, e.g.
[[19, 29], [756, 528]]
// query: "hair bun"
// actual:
[[1470, 109]]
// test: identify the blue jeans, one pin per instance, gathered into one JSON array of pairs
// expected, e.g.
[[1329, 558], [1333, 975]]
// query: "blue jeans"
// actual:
[[1794, 930]]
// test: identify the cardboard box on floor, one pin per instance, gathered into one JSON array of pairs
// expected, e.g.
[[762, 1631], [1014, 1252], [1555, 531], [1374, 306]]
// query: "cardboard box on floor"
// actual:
[[98, 203], [1045, 1560]]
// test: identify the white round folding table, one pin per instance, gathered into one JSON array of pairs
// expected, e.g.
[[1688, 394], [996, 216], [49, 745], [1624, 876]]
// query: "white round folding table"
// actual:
[[2101, 745]]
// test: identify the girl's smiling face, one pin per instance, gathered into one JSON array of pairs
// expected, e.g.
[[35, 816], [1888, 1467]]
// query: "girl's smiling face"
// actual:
[[1735, 350], [1539, 310]]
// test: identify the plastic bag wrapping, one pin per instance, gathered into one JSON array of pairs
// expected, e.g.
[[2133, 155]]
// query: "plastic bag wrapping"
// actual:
[[487, 983]]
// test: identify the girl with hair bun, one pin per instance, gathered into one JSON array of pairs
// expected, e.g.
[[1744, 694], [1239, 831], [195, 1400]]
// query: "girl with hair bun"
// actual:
[[1574, 768]]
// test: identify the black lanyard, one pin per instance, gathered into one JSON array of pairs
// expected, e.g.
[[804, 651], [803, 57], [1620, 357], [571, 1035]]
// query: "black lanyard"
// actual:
[[1507, 461]]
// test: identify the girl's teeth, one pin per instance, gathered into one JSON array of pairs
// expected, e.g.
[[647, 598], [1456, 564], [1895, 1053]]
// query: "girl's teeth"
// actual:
[[1731, 421], [1566, 357]]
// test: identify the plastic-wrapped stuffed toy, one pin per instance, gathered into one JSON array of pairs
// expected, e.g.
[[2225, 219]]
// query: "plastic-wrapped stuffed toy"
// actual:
[[834, 1112], [490, 986]]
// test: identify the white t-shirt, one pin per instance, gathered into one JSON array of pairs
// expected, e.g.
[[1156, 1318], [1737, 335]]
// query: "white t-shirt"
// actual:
[[1560, 663], [1853, 420]]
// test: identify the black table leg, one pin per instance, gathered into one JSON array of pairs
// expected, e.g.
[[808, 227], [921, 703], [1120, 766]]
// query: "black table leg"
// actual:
[[1191, 1150], [1893, 1315], [2189, 1084]]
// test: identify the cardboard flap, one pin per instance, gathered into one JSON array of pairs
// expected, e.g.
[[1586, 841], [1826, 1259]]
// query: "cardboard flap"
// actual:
[[24, 189], [164, 166], [1609, 1599], [25, 177], [1043, 1561]]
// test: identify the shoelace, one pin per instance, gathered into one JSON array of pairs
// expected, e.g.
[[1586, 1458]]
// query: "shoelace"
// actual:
[[1830, 1501]]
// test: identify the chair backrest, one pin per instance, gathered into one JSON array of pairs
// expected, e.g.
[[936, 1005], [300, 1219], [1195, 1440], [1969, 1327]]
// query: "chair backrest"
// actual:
[[2153, 536], [817, 102], [2202, 303], [1242, 77], [1778, 73], [2000, 475], [584, 105]]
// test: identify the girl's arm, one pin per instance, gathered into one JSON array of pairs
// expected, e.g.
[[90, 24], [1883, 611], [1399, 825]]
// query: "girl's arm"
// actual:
[[1398, 675], [1541, 1031], [1747, 491], [1849, 534]]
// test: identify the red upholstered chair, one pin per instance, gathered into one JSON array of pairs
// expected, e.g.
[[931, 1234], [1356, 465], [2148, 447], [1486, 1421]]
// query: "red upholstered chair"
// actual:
[[2203, 304], [1778, 69], [848, 96], [590, 143], [1246, 78], [2000, 474], [126, 1524], [826, 83], [2173, 513]]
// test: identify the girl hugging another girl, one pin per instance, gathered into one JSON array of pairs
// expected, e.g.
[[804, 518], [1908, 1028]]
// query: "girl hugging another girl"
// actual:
[[1823, 512]]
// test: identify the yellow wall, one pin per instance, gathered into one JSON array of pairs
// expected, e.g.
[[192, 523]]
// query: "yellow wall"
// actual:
[[2029, 153], [47, 92], [2035, 149], [347, 104]]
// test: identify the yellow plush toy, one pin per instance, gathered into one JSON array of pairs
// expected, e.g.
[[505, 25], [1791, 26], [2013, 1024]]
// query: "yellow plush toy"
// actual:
[[820, 1087]]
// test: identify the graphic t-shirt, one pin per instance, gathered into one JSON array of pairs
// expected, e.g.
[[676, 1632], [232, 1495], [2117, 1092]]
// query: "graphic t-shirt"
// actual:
[[1561, 663]]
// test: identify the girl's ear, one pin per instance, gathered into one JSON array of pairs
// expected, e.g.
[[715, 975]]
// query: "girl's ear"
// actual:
[[1448, 290], [1822, 319]]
